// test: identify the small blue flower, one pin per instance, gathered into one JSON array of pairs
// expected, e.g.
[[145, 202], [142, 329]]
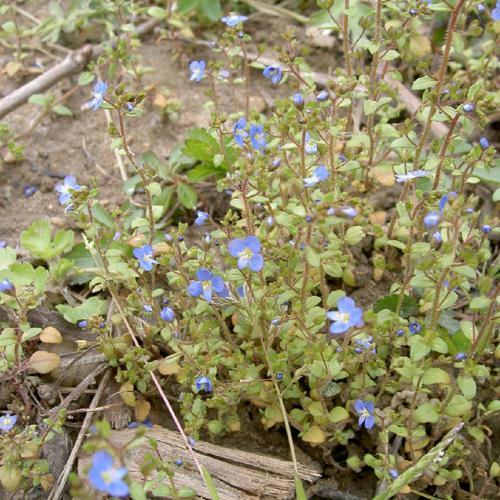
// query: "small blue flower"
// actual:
[[310, 146], [277, 163], [347, 316], [275, 321], [350, 212], [29, 190], [146, 423], [239, 132], [206, 285], [178, 462], [393, 473], [412, 175], [431, 219], [320, 174], [3, 243], [233, 19], [365, 344], [298, 100], [129, 106], [323, 96], [197, 69], [258, 137], [223, 74], [468, 107], [201, 218], [107, 478], [147, 308], [480, 7], [203, 383], [436, 237], [144, 255], [116, 236], [191, 441], [6, 286], [7, 422], [495, 13], [484, 143], [486, 228], [274, 73], [66, 188], [98, 94], [167, 314], [400, 333], [279, 376], [415, 327], [248, 252], [413, 12], [83, 324], [460, 356], [365, 411], [444, 200]]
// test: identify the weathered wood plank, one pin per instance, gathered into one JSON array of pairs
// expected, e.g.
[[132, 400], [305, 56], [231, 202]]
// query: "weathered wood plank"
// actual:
[[237, 474]]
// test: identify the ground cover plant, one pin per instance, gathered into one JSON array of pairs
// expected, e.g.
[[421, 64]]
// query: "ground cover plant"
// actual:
[[322, 267]]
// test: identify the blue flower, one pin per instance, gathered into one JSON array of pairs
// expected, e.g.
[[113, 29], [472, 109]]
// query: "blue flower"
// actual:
[[298, 100], [484, 143], [201, 218], [347, 316], [206, 285], [258, 137], [436, 237], [223, 74], [233, 19], [495, 13], [310, 146], [274, 73], [98, 94], [248, 252], [146, 423], [400, 333], [365, 411], [107, 478], [486, 228], [167, 314], [393, 473], [197, 69], [444, 199], [480, 7], [415, 327], [6, 286], [3, 243], [431, 219], [65, 189], [279, 376], [320, 174], [83, 324], [147, 308], [239, 131], [144, 255], [276, 163], [7, 422], [411, 175], [350, 212], [460, 356], [29, 190], [323, 96], [468, 107], [179, 462], [203, 384], [365, 344]]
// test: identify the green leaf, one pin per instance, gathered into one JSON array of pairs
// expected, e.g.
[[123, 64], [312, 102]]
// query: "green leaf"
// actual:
[[479, 302], [467, 386], [41, 99], [37, 240], [185, 6], [85, 78], [435, 376], [200, 145], [427, 413], [354, 235], [157, 12], [187, 196], [408, 308], [300, 493], [419, 349], [458, 406], [62, 110], [101, 215], [211, 9], [7, 257], [423, 82], [338, 414], [93, 306], [210, 483], [312, 257]]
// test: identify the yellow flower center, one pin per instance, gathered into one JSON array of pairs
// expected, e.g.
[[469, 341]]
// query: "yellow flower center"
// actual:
[[344, 317], [246, 254]]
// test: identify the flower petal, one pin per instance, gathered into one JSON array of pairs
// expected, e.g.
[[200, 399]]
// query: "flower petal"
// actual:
[[218, 284], [345, 305], [253, 243], [359, 405], [204, 274], [236, 246], [339, 327], [195, 288], [256, 262]]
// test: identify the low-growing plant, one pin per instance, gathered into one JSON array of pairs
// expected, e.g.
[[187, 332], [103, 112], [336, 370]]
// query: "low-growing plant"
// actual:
[[349, 292]]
